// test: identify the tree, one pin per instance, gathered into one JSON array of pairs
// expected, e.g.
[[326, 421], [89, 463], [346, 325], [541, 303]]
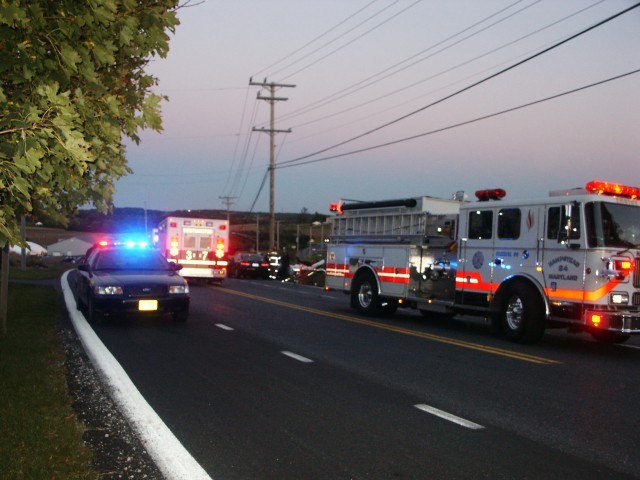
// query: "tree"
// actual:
[[72, 85]]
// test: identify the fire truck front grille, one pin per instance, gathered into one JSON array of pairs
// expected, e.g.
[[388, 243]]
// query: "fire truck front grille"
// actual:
[[635, 300], [636, 275]]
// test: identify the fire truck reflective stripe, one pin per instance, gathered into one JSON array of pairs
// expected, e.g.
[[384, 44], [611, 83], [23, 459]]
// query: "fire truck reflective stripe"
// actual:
[[579, 295], [337, 270], [472, 281], [393, 275]]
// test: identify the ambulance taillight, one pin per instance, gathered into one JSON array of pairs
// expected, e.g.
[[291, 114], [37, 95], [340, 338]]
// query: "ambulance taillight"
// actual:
[[174, 246], [220, 248]]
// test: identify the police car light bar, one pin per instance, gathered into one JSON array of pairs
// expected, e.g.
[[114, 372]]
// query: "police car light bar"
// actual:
[[614, 189]]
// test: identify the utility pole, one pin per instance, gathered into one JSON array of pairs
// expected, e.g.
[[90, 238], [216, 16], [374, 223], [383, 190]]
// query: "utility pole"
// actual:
[[272, 99], [228, 201]]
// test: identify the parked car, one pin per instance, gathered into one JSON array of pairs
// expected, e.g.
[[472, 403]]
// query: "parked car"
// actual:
[[130, 278], [252, 265]]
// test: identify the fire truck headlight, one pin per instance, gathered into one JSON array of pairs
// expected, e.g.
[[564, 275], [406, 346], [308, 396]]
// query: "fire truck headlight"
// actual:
[[107, 290], [178, 289], [619, 298]]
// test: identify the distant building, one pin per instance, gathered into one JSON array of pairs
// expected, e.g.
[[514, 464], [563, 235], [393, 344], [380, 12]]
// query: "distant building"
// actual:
[[71, 247], [33, 249]]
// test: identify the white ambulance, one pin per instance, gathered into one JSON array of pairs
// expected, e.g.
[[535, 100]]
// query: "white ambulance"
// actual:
[[200, 245]]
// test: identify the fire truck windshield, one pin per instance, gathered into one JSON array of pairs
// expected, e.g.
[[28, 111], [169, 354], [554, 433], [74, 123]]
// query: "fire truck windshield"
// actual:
[[612, 225]]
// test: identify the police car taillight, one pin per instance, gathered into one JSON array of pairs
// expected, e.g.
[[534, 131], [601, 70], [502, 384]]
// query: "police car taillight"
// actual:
[[613, 189], [490, 194]]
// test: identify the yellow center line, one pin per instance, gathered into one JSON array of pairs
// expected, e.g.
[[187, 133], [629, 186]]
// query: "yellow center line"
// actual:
[[428, 336]]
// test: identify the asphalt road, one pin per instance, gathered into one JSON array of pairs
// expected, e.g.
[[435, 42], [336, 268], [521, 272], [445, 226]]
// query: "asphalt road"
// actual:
[[271, 380]]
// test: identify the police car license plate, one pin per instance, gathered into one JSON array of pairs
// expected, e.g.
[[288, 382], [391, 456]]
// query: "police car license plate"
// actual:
[[147, 305], [255, 265]]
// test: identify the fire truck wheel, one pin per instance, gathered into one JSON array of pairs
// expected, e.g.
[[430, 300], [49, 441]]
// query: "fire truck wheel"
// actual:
[[364, 295], [522, 314], [609, 337]]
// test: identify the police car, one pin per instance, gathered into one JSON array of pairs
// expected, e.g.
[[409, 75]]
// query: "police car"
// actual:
[[130, 278]]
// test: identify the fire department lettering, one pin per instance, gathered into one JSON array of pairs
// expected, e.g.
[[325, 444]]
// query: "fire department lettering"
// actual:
[[566, 259]]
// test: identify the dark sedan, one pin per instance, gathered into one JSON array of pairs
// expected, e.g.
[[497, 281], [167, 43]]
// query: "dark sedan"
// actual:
[[251, 265], [130, 279]]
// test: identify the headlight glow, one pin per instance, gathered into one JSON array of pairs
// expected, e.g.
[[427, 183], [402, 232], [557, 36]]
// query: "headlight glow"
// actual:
[[178, 289], [619, 298], [107, 290]]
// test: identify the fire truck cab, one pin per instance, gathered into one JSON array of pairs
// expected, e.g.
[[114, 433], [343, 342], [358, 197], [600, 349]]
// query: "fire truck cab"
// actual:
[[569, 260]]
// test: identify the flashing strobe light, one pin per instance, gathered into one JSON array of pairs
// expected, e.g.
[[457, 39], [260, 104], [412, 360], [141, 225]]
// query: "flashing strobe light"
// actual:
[[613, 189], [336, 207], [596, 319], [490, 194]]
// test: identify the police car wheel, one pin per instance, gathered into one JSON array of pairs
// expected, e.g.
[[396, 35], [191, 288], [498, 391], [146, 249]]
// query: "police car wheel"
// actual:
[[522, 314]]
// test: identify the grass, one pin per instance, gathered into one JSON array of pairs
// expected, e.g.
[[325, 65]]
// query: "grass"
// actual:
[[40, 436]]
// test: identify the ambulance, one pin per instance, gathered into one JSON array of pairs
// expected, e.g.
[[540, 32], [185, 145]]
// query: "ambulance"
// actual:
[[200, 245], [569, 260]]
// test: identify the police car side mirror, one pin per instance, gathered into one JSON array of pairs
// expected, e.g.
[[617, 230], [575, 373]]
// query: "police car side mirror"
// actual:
[[176, 267]]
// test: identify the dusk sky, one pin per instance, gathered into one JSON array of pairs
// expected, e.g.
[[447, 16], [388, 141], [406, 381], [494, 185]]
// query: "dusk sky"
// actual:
[[371, 69]]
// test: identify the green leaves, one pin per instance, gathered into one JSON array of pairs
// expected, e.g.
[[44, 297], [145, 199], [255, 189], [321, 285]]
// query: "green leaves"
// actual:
[[73, 84]]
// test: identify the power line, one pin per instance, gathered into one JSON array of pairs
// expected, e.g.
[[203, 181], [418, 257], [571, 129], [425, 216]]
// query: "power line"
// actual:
[[450, 127], [314, 40], [469, 87], [356, 87]]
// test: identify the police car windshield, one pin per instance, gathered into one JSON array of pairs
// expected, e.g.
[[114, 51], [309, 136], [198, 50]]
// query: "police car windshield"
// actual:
[[612, 225], [129, 259]]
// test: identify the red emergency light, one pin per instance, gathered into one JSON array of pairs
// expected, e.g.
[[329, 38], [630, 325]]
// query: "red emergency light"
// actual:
[[336, 207], [490, 194], [613, 189]]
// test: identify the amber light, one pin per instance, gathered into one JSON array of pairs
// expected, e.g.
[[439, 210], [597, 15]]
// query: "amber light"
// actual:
[[615, 189], [596, 319]]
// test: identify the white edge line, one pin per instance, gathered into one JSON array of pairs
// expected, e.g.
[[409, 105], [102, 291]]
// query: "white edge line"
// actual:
[[295, 356], [448, 416], [224, 327], [173, 460]]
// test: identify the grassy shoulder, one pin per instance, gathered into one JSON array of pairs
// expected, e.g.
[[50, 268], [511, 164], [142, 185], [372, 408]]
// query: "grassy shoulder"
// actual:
[[40, 436]]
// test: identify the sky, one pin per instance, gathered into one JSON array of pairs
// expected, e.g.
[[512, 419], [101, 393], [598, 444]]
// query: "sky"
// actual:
[[364, 73]]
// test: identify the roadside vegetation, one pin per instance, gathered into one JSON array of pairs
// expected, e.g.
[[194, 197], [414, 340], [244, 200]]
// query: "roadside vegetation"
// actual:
[[40, 436]]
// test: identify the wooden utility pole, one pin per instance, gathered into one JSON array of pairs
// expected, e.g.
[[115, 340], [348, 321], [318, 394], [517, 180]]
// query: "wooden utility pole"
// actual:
[[272, 99]]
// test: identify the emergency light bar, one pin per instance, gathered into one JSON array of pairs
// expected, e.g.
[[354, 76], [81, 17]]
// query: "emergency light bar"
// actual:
[[490, 194], [613, 189]]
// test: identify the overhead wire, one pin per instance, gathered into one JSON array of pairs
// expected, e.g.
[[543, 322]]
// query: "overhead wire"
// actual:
[[468, 87], [455, 67], [315, 39], [332, 52], [460, 124], [340, 94]]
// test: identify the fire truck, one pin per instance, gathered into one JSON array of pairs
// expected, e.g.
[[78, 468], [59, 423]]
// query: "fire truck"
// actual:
[[200, 245], [570, 260]]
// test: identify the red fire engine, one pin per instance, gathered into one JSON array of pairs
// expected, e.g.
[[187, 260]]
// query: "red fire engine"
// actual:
[[570, 260]]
